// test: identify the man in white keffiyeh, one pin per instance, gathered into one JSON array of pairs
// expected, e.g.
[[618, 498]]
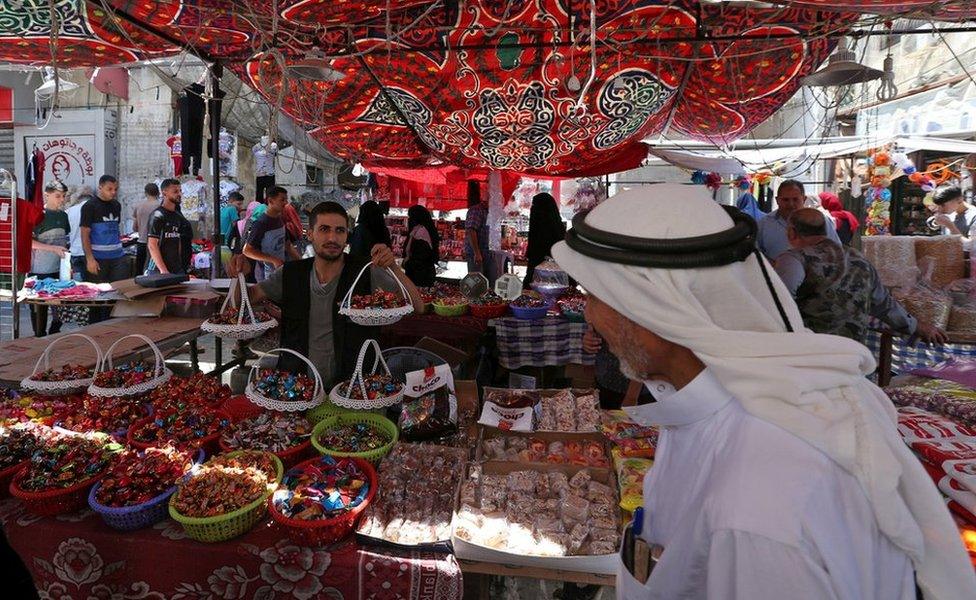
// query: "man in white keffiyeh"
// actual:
[[780, 472]]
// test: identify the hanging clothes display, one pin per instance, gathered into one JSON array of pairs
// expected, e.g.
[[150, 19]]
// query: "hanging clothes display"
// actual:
[[175, 143], [194, 203], [264, 166], [34, 177], [29, 214], [192, 111]]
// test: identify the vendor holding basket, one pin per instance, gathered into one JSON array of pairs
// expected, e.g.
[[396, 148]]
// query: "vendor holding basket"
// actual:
[[310, 291]]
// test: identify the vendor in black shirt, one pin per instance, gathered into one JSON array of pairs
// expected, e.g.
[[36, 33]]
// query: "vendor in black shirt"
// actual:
[[170, 234], [310, 291]]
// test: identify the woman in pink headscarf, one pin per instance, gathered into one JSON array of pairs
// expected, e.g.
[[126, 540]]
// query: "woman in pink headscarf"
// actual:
[[844, 220]]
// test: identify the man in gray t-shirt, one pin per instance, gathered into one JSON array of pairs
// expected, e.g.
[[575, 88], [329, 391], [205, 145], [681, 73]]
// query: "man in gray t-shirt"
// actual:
[[140, 224]]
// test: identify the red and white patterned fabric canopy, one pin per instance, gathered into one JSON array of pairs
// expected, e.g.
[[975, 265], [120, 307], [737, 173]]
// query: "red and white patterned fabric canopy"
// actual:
[[479, 83]]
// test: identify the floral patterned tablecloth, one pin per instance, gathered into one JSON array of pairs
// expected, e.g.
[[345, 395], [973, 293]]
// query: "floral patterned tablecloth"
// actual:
[[77, 556]]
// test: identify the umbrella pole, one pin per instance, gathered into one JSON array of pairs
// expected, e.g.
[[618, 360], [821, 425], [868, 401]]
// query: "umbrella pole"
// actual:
[[214, 105]]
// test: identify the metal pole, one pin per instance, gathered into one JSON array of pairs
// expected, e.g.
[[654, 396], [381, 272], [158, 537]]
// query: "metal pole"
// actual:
[[13, 249], [214, 107]]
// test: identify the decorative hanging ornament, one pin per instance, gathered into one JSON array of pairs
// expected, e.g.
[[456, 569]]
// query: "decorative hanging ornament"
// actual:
[[763, 177], [699, 177], [713, 181], [743, 182]]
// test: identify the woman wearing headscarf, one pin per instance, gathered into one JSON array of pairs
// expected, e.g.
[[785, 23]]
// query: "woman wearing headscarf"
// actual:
[[370, 230], [546, 228], [844, 221], [241, 230], [422, 250]]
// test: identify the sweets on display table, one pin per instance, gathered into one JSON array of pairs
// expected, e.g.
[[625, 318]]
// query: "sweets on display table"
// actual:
[[286, 391], [268, 431], [197, 390], [414, 504], [568, 410], [544, 448], [138, 477], [190, 428], [65, 379]]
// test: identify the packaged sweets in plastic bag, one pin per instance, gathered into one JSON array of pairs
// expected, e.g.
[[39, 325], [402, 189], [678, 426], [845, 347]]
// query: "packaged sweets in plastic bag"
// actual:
[[429, 404]]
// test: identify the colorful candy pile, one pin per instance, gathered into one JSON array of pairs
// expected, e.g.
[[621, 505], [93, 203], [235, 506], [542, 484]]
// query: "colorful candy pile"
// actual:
[[355, 437], [572, 303], [180, 393], [284, 385], [489, 299], [438, 290], [527, 301], [62, 461], [18, 442], [225, 484], [271, 432], [64, 373], [109, 414], [377, 300], [40, 409], [377, 386], [451, 301], [125, 375], [136, 478], [519, 449], [321, 490], [229, 317], [180, 428]]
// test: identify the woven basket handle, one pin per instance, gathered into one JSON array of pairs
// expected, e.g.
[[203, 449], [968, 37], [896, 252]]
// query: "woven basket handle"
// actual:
[[160, 362], [44, 355], [357, 376], [347, 301], [245, 305], [315, 372]]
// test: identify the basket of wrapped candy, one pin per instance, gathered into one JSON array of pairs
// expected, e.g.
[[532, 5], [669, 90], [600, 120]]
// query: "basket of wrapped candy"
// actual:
[[453, 306], [129, 379], [489, 306], [66, 379], [368, 392], [238, 322], [135, 491], [320, 500], [275, 389], [378, 308], [226, 496], [286, 435], [61, 471], [17, 443], [572, 307], [530, 306], [364, 435], [186, 429]]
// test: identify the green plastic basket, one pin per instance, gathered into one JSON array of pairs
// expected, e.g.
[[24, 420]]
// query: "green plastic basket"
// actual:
[[455, 310], [350, 418], [228, 526], [323, 411]]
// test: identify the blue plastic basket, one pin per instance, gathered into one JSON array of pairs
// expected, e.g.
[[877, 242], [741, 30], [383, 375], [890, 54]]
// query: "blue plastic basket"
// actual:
[[529, 314], [139, 516]]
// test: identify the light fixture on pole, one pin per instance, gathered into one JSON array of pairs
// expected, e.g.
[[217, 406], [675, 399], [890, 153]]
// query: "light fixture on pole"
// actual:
[[842, 69], [315, 67]]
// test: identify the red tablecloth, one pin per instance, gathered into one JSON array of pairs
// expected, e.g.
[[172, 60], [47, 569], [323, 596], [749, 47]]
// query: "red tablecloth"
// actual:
[[78, 556], [463, 333]]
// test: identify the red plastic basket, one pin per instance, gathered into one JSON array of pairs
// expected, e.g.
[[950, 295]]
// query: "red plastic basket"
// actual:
[[54, 502], [488, 311], [326, 531], [208, 444], [289, 458], [240, 408], [7, 475]]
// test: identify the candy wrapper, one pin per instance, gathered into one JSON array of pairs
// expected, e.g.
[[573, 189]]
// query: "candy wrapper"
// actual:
[[231, 315], [588, 453], [110, 414], [183, 429], [284, 385], [138, 477], [633, 440], [378, 385], [19, 441], [64, 373], [226, 483], [323, 489], [377, 300], [62, 461], [530, 300], [353, 437], [271, 432], [125, 375], [39, 409], [180, 393], [401, 516], [630, 478], [489, 299], [429, 404]]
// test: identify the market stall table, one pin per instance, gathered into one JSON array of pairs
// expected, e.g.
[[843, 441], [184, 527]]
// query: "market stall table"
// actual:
[[77, 555], [18, 357], [106, 301], [552, 341], [464, 333], [896, 354]]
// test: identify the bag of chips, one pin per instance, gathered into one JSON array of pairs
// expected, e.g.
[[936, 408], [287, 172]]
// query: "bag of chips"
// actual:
[[429, 404]]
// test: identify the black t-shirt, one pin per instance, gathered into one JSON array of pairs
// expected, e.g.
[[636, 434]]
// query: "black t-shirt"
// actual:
[[175, 237]]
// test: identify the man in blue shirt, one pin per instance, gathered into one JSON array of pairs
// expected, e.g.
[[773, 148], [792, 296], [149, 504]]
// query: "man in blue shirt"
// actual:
[[771, 238], [100, 237]]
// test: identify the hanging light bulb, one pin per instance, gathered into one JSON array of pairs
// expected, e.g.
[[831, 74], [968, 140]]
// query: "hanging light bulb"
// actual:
[[842, 69], [888, 89]]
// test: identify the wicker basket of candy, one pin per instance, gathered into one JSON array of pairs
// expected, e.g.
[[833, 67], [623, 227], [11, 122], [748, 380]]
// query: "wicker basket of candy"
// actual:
[[286, 435], [238, 322], [285, 391], [364, 435], [378, 308], [227, 496], [66, 379], [135, 492], [368, 392], [321, 500], [188, 429], [129, 379], [61, 471]]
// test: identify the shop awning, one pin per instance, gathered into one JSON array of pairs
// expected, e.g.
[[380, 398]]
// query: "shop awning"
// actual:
[[514, 85]]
